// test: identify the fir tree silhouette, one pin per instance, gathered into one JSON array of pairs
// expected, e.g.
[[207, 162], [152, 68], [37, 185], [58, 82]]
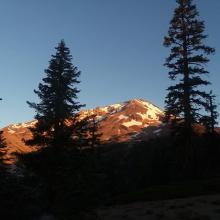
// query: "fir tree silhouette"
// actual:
[[2, 145], [186, 62], [210, 121], [58, 105]]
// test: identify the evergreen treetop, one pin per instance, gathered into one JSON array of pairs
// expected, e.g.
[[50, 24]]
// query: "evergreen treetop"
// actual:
[[187, 59], [58, 95]]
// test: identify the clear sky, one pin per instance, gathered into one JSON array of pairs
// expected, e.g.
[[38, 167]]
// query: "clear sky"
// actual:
[[117, 45]]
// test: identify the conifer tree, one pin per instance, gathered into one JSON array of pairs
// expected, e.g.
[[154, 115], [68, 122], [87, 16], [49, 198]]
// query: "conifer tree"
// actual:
[[210, 121], [80, 133], [186, 62], [2, 144], [94, 134], [86, 131], [58, 95], [2, 140]]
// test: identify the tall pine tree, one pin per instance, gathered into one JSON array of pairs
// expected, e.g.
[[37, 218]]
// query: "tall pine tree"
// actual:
[[186, 62], [58, 95]]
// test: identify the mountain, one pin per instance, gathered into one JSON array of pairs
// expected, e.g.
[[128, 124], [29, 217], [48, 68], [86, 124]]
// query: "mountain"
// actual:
[[130, 120]]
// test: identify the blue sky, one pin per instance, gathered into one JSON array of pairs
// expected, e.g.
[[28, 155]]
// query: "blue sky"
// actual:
[[117, 45]]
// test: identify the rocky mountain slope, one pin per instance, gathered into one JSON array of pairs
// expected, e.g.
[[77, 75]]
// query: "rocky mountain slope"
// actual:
[[118, 122]]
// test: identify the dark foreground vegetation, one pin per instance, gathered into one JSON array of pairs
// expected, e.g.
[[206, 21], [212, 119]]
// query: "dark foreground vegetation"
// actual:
[[72, 185]]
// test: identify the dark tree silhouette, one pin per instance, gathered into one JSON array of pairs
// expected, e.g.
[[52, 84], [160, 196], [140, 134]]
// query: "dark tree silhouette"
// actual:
[[94, 134], [57, 94], [60, 167], [210, 121], [86, 131], [2, 147], [2, 144], [186, 62], [2, 140]]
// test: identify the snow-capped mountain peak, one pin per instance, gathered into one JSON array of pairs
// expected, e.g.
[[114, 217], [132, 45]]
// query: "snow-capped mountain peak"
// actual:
[[117, 122]]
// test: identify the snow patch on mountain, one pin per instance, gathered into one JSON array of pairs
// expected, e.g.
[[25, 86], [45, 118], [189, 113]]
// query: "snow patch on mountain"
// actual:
[[23, 125], [112, 108], [149, 105], [100, 118], [121, 117], [143, 116], [132, 123], [11, 131]]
